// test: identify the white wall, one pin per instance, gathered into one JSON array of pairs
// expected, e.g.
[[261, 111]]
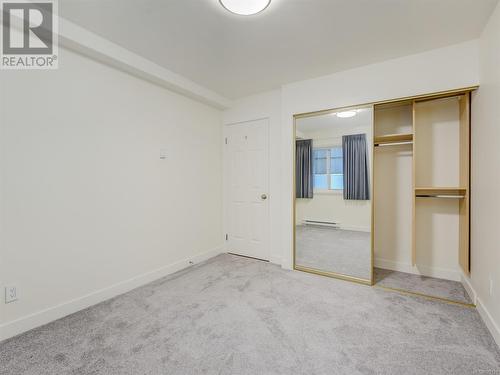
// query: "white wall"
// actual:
[[485, 187], [266, 105], [88, 209]]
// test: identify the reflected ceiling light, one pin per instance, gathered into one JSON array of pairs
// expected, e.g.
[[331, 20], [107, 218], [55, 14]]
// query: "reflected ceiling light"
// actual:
[[346, 114], [245, 7]]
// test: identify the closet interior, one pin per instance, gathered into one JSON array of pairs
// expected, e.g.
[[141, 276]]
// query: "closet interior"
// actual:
[[421, 188]]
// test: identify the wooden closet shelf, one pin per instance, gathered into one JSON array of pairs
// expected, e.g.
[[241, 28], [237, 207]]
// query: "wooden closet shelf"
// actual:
[[451, 192], [393, 138]]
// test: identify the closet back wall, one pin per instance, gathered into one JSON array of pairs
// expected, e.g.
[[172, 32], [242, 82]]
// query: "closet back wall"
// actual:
[[437, 130], [88, 207], [393, 191]]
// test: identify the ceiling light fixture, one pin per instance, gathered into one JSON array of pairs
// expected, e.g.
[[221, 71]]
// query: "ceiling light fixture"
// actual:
[[245, 7], [346, 114]]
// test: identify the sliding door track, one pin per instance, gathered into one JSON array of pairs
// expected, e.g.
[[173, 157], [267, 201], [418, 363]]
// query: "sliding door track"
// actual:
[[245, 256]]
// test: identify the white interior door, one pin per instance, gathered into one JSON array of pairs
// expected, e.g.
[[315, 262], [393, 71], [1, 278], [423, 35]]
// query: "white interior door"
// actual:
[[247, 188]]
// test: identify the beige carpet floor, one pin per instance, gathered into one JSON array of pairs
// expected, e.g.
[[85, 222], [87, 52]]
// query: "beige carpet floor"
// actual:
[[431, 286], [233, 315], [346, 252]]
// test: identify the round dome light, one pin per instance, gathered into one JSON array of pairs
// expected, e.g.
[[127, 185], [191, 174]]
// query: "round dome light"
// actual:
[[346, 114], [245, 7]]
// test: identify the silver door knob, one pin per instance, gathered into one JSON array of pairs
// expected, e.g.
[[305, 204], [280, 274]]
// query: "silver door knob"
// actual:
[[263, 197]]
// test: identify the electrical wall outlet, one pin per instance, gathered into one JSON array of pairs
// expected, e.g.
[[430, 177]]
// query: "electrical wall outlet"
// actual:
[[10, 293], [163, 153]]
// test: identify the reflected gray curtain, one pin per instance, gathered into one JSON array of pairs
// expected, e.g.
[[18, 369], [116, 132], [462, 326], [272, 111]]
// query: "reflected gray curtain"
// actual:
[[303, 168], [356, 176]]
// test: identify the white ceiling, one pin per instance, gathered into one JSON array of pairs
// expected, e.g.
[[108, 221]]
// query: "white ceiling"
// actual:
[[290, 41]]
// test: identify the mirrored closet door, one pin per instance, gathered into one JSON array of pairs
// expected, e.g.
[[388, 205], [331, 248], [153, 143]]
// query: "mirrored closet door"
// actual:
[[333, 180]]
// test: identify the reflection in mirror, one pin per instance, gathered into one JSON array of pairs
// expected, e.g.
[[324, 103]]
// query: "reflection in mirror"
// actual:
[[333, 193]]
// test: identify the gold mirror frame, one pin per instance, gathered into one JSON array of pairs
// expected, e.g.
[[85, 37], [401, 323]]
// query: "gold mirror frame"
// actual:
[[336, 275]]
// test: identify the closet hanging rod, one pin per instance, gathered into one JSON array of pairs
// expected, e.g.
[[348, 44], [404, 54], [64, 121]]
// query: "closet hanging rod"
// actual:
[[393, 143], [440, 196]]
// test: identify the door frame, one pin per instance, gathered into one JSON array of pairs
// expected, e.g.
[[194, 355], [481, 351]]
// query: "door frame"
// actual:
[[225, 187]]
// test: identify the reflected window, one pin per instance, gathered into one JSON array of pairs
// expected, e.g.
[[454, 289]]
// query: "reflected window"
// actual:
[[328, 168]]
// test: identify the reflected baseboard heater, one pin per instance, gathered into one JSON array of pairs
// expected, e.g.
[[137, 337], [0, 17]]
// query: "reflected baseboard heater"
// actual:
[[320, 223]]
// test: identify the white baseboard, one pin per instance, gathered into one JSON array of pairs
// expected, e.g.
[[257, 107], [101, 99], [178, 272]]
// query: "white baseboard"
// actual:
[[356, 229], [50, 314], [489, 321], [481, 309], [441, 273], [468, 288], [275, 260]]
